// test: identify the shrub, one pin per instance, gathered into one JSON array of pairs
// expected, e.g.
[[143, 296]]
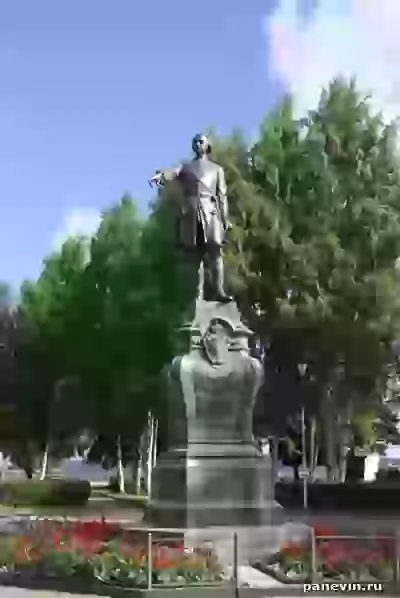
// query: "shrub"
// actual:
[[350, 495], [45, 493], [388, 476]]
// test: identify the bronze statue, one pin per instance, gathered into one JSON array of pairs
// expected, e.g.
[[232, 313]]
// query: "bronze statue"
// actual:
[[203, 215]]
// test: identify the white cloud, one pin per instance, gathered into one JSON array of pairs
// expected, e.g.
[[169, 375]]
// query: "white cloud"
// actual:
[[79, 221], [354, 38]]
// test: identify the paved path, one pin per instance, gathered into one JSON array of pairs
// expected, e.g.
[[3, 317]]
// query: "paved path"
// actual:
[[18, 593]]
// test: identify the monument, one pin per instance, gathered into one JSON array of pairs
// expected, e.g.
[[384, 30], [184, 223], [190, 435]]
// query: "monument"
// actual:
[[213, 475]]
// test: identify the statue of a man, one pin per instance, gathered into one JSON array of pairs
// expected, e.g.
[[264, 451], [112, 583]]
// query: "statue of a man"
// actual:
[[203, 217]]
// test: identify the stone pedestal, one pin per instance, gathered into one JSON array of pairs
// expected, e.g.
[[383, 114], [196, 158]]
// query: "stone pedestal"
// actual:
[[213, 485], [213, 476]]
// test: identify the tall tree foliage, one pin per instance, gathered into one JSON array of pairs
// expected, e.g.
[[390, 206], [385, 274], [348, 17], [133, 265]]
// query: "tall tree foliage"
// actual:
[[316, 238], [8, 372], [115, 292], [47, 344], [315, 206]]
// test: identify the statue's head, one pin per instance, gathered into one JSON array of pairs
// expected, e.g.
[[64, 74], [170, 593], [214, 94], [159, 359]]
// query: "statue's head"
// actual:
[[201, 145], [216, 340]]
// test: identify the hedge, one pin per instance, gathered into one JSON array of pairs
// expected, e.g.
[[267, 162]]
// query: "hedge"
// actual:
[[391, 476], [355, 496], [46, 493]]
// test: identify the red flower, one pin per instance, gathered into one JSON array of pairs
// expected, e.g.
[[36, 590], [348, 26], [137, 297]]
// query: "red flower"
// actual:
[[126, 550], [336, 552], [386, 547], [162, 562], [333, 552], [180, 546], [95, 530], [323, 548], [162, 558], [333, 559], [293, 551], [324, 530], [86, 547], [334, 545]]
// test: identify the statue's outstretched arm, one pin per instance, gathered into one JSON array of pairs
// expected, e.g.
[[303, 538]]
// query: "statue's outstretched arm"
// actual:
[[164, 176]]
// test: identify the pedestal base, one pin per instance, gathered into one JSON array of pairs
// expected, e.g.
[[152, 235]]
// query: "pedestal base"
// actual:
[[208, 485]]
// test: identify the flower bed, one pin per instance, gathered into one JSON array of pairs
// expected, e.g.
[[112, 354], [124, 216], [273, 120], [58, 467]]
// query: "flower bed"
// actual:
[[337, 558], [96, 551]]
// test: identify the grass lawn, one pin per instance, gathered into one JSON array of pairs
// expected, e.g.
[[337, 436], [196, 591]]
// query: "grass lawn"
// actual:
[[126, 509]]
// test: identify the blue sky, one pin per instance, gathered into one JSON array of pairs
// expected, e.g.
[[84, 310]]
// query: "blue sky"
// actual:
[[94, 94]]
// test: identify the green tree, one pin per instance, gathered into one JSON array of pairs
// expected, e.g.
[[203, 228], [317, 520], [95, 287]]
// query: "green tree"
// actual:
[[127, 324], [316, 234], [96, 329], [316, 238], [48, 350]]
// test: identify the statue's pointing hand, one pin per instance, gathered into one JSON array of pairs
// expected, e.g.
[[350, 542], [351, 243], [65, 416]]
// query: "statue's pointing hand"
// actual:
[[157, 179]]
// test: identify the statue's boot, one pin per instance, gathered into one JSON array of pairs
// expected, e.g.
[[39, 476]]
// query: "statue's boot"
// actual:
[[217, 271]]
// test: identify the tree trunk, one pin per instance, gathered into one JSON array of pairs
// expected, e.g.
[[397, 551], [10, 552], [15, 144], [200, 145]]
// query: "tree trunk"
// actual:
[[155, 443], [343, 464], [304, 461], [86, 452], [313, 446], [2, 466], [345, 441], [139, 474], [342, 450], [28, 470], [120, 467], [150, 451], [45, 462], [329, 433]]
